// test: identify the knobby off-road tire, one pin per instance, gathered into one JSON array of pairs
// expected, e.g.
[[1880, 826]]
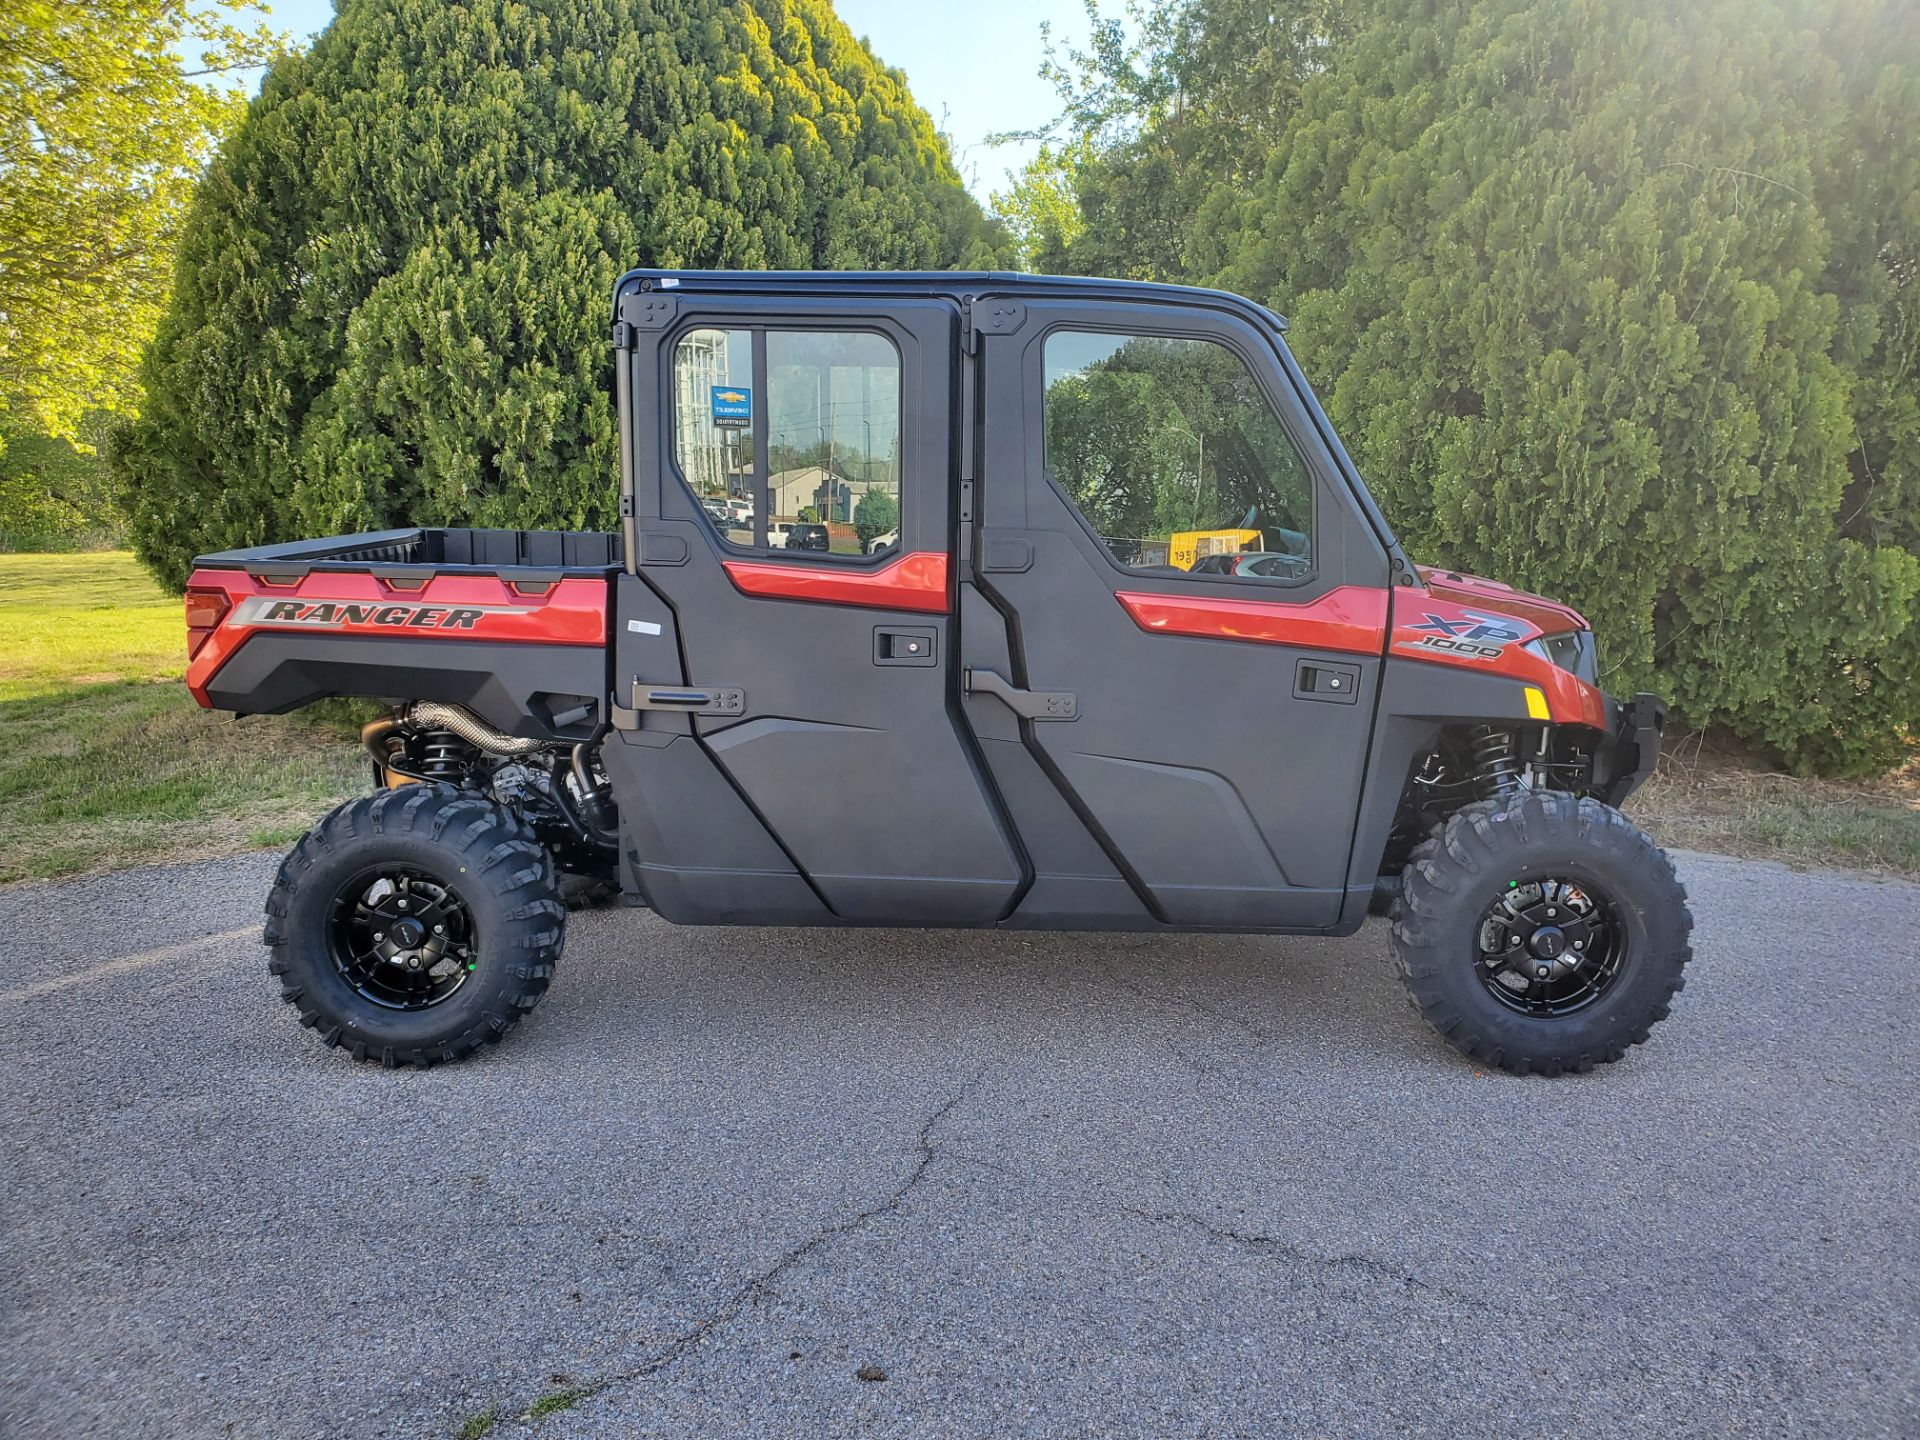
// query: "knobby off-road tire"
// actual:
[[1495, 848], [461, 862]]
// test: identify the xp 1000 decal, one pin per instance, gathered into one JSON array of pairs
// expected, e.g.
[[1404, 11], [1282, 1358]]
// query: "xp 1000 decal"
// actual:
[[1463, 635]]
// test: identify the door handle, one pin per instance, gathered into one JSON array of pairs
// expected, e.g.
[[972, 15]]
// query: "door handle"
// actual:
[[1331, 681], [1027, 704], [893, 645]]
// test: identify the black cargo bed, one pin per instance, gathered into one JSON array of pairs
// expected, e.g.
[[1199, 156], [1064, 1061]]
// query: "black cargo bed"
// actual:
[[422, 553]]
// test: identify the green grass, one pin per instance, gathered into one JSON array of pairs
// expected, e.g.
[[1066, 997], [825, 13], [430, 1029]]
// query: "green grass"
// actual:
[[475, 1427], [107, 760], [68, 621], [558, 1400]]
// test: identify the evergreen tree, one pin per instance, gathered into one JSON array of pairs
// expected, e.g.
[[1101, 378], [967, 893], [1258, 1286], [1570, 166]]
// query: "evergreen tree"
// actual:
[[1620, 302], [392, 298]]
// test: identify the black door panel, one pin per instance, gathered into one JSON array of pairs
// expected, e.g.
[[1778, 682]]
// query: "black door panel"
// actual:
[[725, 870], [847, 757], [886, 825], [1186, 834], [1222, 796]]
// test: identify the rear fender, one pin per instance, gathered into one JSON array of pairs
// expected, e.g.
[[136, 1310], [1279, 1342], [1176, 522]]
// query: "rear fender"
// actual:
[[527, 654]]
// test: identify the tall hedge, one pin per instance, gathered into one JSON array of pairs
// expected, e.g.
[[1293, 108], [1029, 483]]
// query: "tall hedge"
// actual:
[[392, 298], [1618, 301]]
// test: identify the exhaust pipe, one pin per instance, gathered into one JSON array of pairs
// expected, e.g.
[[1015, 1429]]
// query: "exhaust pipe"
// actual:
[[432, 715]]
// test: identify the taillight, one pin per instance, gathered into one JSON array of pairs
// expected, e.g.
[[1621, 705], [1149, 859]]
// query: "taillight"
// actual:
[[205, 610]]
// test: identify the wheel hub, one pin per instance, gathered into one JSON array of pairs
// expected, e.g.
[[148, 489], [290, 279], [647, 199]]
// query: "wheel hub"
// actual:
[[401, 937], [1549, 946]]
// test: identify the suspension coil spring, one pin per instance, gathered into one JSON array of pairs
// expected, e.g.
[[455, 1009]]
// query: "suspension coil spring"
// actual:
[[444, 756], [1496, 763]]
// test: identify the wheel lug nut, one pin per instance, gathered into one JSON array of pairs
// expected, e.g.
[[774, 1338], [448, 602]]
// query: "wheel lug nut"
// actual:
[[439, 929], [379, 934], [403, 905], [413, 962], [1542, 971]]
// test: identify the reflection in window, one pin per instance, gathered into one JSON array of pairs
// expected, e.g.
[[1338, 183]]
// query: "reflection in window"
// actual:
[[1173, 455], [833, 442], [712, 426]]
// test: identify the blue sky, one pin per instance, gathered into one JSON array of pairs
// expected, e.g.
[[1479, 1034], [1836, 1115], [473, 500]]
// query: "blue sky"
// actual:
[[975, 64]]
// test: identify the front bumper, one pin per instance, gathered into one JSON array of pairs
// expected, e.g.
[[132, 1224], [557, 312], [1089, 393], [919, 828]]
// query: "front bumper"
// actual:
[[1632, 747]]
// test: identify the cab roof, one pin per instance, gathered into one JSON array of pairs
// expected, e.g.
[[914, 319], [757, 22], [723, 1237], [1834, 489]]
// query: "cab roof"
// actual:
[[956, 285]]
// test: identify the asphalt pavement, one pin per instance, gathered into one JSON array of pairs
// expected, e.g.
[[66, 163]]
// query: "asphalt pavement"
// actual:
[[1046, 1185]]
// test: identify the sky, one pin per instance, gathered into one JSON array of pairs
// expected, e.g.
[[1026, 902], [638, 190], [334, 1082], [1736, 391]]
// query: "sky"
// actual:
[[974, 67]]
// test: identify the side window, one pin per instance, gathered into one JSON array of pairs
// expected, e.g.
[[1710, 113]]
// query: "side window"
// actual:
[[713, 426], [1170, 452], [831, 464]]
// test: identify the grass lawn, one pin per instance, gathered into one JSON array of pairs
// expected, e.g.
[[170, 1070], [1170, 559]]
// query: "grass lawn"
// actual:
[[107, 760]]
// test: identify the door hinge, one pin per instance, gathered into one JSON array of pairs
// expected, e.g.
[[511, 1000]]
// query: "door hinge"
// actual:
[[687, 699], [1027, 704], [966, 502], [649, 311]]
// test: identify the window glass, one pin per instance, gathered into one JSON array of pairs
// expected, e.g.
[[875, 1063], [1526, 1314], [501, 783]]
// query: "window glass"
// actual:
[[832, 463], [1175, 458], [833, 442], [712, 426]]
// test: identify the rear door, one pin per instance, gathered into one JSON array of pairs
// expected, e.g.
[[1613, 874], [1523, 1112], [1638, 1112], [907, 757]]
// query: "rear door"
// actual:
[[1180, 615], [814, 732]]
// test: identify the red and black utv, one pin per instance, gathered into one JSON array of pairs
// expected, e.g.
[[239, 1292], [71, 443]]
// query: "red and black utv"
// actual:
[[953, 600]]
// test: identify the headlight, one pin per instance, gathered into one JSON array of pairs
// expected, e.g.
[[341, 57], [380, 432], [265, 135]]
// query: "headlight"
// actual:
[[1573, 651]]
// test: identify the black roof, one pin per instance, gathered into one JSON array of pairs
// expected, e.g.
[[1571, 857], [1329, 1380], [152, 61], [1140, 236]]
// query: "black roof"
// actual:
[[952, 284]]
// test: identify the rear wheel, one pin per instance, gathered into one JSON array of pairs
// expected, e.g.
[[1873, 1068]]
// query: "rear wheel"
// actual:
[[1543, 933], [414, 925]]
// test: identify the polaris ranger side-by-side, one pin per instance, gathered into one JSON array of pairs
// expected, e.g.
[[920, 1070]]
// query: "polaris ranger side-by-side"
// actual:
[[1083, 620]]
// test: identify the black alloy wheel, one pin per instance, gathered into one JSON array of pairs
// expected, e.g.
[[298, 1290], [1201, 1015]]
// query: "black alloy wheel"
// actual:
[[401, 937], [1549, 946]]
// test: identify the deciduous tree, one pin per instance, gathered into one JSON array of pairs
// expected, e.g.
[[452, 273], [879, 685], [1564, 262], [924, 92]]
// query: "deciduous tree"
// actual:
[[105, 124]]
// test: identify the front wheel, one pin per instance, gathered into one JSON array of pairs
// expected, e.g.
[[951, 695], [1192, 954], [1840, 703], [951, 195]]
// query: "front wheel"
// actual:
[[415, 925], [1544, 933]]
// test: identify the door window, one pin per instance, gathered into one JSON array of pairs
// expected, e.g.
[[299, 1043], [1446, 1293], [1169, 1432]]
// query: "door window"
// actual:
[[1171, 453], [816, 474], [712, 426]]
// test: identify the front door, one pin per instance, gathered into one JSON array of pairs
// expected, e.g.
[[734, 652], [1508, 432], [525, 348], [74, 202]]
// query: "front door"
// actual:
[[1175, 616], [791, 750]]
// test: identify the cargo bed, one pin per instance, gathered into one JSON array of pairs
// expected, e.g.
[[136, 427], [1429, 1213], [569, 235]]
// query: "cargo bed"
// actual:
[[429, 551]]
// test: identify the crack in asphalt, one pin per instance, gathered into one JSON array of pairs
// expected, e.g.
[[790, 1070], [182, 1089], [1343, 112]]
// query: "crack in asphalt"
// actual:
[[1257, 1241], [756, 1288], [1265, 1244], [1202, 1067]]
